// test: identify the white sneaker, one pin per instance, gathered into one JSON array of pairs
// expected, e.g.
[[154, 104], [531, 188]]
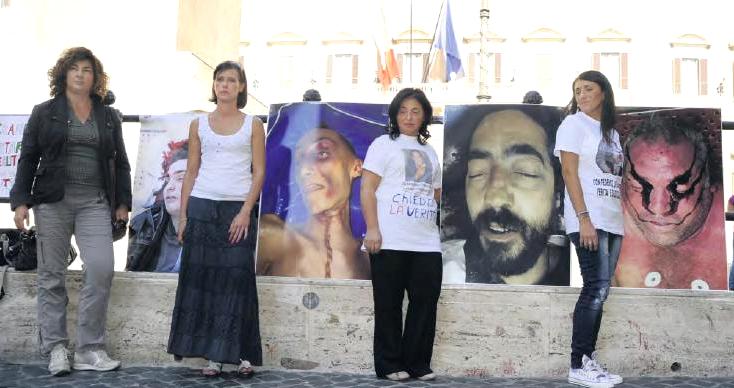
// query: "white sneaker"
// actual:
[[59, 364], [615, 379], [589, 375], [94, 360], [398, 376]]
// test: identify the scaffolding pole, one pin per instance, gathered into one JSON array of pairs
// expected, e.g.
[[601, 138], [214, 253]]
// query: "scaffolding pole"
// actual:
[[483, 95]]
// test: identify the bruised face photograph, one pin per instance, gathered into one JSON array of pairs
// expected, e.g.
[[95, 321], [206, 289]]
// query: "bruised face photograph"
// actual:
[[667, 188], [672, 200], [310, 223], [325, 168]]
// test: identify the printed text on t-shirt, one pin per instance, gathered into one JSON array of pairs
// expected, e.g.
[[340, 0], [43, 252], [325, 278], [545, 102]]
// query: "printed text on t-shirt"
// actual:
[[413, 206], [606, 187]]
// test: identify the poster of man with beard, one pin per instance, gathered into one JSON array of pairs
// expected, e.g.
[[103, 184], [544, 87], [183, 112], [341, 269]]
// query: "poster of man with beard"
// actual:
[[502, 196], [672, 198]]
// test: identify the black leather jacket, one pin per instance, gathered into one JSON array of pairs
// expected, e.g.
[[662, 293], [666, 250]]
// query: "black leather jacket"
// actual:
[[41, 173], [145, 234]]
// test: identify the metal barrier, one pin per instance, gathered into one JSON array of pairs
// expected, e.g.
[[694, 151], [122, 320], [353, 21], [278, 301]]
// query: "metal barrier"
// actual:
[[725, 125]]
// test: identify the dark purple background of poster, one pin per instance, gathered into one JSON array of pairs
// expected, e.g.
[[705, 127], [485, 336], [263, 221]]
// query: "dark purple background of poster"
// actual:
[[287, 123]]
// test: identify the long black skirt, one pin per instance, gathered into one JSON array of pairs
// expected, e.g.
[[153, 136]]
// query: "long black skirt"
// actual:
[[216, 310]]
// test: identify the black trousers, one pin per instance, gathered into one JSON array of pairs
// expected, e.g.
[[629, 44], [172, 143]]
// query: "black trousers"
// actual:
[[597, 268], [393, 273]]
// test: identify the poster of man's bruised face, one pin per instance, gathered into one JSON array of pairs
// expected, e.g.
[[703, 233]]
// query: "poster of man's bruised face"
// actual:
[[161, 165], [502, 196], [673, 200], [311, 222]]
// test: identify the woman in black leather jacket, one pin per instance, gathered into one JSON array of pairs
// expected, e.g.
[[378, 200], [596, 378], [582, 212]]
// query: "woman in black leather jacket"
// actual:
[[73, 170]]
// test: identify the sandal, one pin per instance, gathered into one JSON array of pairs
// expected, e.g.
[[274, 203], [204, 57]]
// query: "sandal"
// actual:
[[213, 369], [245, 369]]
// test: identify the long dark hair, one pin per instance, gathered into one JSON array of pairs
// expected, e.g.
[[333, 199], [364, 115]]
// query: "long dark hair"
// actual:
[[226, 65], [608, 110], [392, 124], [57, 74]]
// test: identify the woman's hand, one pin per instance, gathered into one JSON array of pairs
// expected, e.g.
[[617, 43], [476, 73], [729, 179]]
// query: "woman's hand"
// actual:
[[122, 213], [587, 233], [373, 240], [181, 228], [21, 217], [239, 226]]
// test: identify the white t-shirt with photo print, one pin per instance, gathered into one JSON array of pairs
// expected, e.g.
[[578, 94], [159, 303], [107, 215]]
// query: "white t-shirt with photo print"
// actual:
[[600, 172], [406, 208]]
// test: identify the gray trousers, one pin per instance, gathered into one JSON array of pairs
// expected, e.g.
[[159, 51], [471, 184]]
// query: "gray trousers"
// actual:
[[85, 213]]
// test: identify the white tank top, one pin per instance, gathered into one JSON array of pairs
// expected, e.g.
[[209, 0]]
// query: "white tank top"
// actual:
[[226, 160]]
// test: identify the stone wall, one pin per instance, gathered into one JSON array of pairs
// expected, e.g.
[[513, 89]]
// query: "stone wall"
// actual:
[[482, 330]]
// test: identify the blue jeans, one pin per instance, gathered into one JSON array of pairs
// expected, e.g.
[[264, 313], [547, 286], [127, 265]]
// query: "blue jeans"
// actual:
[[597, 268], [731, 278]]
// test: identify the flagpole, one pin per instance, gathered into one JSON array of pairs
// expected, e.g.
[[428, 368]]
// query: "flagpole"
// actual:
[[483, 95], [430, 49], [410, 58]]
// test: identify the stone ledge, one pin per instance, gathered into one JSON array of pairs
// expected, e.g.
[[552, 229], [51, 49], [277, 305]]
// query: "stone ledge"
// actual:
[[482, 330]]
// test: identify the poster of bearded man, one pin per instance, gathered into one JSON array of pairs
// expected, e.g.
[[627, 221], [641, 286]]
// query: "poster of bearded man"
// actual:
[[501, 209]]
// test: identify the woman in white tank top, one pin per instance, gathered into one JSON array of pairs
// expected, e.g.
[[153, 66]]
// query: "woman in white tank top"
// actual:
[[216, 313]]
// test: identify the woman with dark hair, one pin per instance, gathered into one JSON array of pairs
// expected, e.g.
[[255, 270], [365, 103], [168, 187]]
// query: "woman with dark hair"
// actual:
[[402, 238], [72, 153], [591, 163], [216, 310]]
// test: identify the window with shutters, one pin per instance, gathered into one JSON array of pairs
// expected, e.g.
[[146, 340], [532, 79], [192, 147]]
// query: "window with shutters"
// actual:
[[286, 52], [494, 68], [412, 48], [342, 69], [690, 76], [609, 56], [342, 58], [614, 66], [495, 65], [544, 71], [690, 68], [286, 70], [412, 66]]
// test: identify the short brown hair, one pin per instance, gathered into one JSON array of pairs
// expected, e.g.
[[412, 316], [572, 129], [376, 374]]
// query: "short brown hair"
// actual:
[[57, 74], [226, 65]]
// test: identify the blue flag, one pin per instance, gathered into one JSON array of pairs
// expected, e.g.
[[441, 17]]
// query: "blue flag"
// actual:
[[445, 59]]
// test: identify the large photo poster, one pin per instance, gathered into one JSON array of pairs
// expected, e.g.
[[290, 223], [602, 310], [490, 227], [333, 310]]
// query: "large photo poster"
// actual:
[[161, 165], [501, 212], [673, 201], [11, 136], [311, 222]]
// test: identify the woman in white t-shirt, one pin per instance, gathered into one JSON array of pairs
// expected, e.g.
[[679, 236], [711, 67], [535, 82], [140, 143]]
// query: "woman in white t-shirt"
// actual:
[[591, 160], [401, 187]]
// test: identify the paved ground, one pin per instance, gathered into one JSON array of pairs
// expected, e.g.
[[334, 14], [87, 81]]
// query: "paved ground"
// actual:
[[36, 376]]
